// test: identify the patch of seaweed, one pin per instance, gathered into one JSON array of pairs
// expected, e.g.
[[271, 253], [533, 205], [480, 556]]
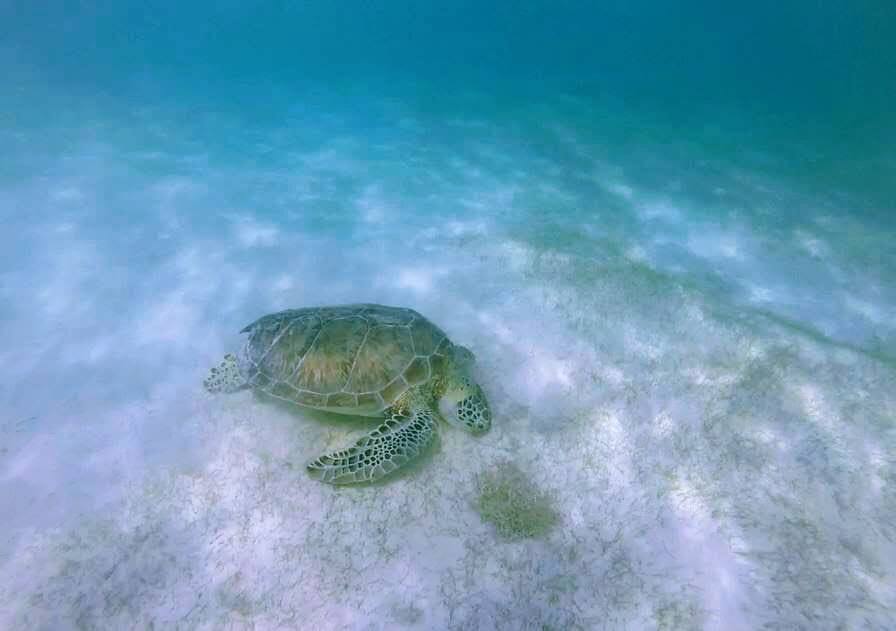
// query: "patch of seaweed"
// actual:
[[509, 501]]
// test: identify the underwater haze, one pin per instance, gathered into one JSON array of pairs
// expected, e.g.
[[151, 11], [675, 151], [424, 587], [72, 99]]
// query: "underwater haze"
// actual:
[[667, 231]]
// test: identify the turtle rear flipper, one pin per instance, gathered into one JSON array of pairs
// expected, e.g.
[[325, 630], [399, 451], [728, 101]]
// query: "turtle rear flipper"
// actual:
[[394, 443], [225, 377]]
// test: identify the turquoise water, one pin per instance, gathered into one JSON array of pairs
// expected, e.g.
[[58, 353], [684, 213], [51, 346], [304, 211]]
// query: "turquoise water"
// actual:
[[667, 235]]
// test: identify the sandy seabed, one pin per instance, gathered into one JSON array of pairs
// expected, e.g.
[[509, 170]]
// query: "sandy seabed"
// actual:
[[698, 376]]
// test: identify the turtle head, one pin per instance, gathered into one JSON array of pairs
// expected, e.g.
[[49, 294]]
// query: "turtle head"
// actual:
[[463, 403]]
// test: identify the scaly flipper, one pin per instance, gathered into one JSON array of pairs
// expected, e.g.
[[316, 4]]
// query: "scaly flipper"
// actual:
[[385, 449], [225, 377]]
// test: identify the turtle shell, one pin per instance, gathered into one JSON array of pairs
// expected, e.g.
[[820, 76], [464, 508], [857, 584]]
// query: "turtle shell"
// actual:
[[354, 359]]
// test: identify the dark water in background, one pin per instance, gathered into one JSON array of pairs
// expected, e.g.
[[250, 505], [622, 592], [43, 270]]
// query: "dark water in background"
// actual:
[[825, 70], [667, 231]]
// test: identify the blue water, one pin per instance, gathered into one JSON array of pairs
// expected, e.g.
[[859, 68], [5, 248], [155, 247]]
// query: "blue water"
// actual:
[[667, 233]]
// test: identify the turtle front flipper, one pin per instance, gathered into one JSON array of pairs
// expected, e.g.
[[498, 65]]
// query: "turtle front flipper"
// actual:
[[225, 377], [394, 443]]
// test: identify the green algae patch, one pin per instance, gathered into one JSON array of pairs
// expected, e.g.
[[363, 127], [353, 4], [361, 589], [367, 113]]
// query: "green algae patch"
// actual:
[[509, 501]]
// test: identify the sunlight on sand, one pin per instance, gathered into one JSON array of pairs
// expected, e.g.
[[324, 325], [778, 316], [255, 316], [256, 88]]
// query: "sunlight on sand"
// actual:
[[711, 467]]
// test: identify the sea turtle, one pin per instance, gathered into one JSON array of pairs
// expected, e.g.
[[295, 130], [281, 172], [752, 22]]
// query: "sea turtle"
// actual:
[[361, 359]]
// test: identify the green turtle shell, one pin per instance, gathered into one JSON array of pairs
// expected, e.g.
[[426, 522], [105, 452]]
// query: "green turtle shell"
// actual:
[[355, 359]]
